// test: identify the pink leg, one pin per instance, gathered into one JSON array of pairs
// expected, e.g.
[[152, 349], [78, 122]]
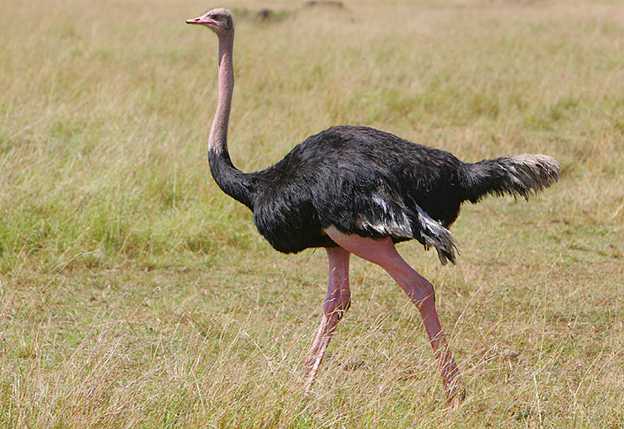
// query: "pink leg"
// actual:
[[336, 303], [419, 290]]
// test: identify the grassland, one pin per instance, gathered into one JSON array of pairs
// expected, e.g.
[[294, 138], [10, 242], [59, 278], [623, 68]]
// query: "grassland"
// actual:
[[134, 294]]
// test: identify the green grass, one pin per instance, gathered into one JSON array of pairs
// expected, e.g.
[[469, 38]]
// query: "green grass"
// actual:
[[133, 293]]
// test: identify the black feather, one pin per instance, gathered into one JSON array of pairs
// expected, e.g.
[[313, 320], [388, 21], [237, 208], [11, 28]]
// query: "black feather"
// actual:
[[518, 175], [371, 183]]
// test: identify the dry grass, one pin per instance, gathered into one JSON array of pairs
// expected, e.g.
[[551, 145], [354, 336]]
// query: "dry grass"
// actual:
[[134, 294]]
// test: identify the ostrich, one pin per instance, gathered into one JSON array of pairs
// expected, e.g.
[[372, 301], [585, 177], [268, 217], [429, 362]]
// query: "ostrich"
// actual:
[[358, 190]]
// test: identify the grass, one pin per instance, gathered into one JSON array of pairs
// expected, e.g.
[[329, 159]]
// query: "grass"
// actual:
[[134, 294]]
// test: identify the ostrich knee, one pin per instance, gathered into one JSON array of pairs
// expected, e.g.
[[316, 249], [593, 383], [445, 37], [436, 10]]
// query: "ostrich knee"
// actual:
[[418, 289], [421, 293], [336, 304]]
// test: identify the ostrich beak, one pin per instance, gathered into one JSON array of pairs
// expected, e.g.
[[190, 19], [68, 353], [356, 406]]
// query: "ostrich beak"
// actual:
[[201, 20]]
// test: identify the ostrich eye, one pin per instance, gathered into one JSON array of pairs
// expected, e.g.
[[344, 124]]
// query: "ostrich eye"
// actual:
[[216, 17]]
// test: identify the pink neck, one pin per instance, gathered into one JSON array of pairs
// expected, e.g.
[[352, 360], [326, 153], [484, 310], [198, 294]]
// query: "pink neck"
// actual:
[[217, 140], [232, 181]]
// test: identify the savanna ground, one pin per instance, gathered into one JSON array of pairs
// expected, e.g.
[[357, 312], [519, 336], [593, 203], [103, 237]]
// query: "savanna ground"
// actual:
[[133, 293]]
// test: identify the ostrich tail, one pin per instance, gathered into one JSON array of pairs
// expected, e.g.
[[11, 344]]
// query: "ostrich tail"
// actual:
[[519, 175], [432, 233]]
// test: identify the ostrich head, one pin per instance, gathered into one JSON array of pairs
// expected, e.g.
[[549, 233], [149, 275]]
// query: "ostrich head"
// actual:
[[218, 20]]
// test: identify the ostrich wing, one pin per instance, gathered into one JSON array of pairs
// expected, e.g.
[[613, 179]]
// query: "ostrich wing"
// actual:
[[382, 213]]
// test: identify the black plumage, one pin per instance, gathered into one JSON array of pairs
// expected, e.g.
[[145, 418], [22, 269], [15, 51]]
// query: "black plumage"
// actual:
[[372, 183]]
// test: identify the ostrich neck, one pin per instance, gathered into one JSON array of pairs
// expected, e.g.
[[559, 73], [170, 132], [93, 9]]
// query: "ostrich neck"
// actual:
[[232, 181], [217, 141]]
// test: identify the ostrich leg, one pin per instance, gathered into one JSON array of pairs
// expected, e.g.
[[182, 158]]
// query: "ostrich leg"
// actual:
[[421, 293], [336, 303]]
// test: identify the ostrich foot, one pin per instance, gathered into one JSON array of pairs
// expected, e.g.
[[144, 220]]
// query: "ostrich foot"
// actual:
[[455, 395]]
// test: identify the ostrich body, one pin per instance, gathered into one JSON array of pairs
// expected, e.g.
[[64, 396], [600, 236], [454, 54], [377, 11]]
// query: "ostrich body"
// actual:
[[358, 190]]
